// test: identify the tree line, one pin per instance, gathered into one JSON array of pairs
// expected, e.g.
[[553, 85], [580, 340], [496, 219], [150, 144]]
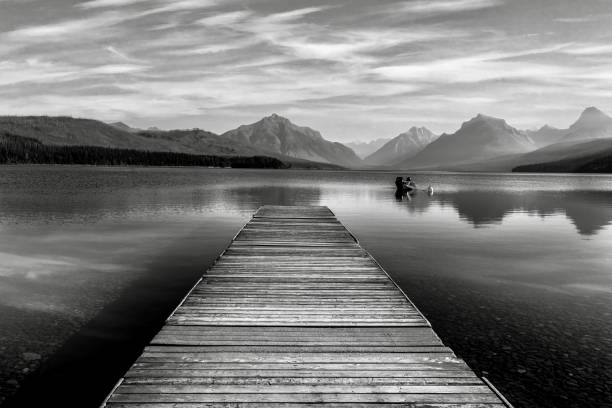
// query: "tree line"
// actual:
[[16, 149]]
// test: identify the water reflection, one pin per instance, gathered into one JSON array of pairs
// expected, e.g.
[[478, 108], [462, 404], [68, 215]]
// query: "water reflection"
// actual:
[[95, 251], [588, 211]]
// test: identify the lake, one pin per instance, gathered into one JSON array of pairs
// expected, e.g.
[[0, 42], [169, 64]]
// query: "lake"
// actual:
[[514, 271]]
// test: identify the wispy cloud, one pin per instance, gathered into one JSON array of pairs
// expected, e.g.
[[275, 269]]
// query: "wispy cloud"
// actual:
[[577, 20], [448, 6], [474, 68], [66, 28], [109, 3], [222, 19], [114, 69], [116, 52], [370, 67], [589, 49]]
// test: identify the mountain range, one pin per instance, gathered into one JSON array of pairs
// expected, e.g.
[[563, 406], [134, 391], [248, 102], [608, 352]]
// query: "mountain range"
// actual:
[[66, 131], [273, 136], [364, 149], [588, 138], [483, 143], [481, 137], [402, 147]]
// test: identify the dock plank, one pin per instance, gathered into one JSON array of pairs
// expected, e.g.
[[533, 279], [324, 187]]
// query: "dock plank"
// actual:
[[295, 313]]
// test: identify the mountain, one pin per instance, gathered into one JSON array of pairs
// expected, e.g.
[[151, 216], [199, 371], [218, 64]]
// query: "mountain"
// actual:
[[277, 136], [364, 149], [124, 127], [564, 151], [593, 156], [402, 147], [588, 137], [16, 149], [480, 138], [546, 135], [592, 124], [67, 131]]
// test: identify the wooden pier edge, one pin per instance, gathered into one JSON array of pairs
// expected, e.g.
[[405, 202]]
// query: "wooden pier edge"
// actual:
[[392, 362], [484, 379]]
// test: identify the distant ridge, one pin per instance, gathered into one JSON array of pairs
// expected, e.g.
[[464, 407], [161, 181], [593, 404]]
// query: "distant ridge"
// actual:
[[546, 135], [67, 131], [587, 139], [592, 124], [402, 147], [124, 127], [483, 143], [23, 150], [276, 135], [482, 137], [364, 149], [591, 156]]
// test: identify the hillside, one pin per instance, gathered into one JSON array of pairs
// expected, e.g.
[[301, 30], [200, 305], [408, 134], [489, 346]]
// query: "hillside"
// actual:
[[594, 156], [482, 137], [66, 131], [364, 149], [402, 147], [546, 135], [277, 136], [124, 127], [22, 150], [568, 145]]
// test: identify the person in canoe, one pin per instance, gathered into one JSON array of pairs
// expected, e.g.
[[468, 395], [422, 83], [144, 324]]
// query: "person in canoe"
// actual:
[[409, 184], [406, 186], [399, 183]]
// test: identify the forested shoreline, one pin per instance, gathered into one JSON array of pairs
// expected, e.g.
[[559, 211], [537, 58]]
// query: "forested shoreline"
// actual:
[[16, 149], [600, 163]]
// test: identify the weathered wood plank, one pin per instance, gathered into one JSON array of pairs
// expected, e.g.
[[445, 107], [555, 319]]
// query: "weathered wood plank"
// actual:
[[297, 314], [300, 405], [309, 397]]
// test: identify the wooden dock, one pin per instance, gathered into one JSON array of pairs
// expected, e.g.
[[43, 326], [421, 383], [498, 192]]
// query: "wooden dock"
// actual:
[[295, 313]]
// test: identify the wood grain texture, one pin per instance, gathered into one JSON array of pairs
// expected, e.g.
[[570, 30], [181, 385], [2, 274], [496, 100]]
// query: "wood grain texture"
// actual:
[[297, 314]]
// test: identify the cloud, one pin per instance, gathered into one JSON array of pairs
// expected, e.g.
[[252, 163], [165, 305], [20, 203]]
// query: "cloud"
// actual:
[[33, 70], [91, 25], [180, 5], [114, 69], [44, 72], [109, 3], [223, 19], [116, 52], [66, 28], [481, 67], [293, 14], [588, 49], [230, 45], [157, 6], [364, 62], [576, 20], [448, 6]]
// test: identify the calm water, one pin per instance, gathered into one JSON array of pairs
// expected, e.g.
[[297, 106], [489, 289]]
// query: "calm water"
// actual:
[[513, 271]]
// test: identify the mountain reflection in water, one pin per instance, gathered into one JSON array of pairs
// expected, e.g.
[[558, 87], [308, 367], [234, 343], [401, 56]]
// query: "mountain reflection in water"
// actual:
[[485, 208], [513, 270]]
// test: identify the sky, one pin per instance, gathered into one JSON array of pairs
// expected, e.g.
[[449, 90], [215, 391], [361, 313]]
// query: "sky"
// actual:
[[352, 69]]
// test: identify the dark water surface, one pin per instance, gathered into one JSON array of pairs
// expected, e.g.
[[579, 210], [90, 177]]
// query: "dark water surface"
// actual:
[[513, 271]]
